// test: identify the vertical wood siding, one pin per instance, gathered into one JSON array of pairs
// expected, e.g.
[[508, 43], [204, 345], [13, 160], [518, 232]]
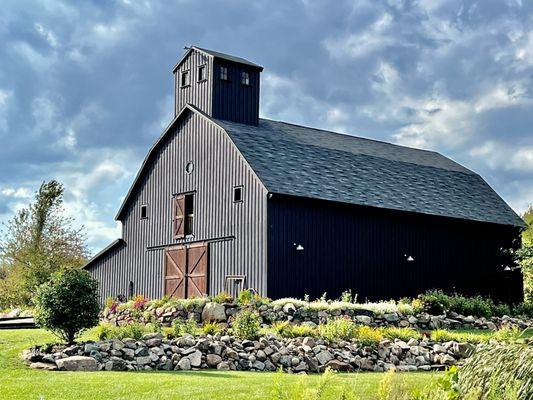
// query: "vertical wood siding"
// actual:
[[218, 167], [197, 93], [233, 101], [363, 249]]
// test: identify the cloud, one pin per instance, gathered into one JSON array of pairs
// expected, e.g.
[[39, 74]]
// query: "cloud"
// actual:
[[86, 87]]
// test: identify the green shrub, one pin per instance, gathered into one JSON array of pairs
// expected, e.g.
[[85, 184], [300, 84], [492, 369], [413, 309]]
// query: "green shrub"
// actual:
[[368, 336], [348, 297], [288, 330], [435, 302], [507, 334], [338, 328], [245, 297], [183, 327], [246, 324], [495, 367], [400, 333], [211, 328], [524, 309], [223, 297], [67, 304], [133, 330]]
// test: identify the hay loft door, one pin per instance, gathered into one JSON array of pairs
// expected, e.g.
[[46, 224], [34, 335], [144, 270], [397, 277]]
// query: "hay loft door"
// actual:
[[186, 270]]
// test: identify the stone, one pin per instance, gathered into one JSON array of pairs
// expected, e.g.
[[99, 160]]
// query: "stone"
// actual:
[[195, 358], [153, 342], [223, 366], [214, 312], [412, 342], [391, 317], [363, 319], [437, 348], [302, 366], [150, 336], [129, 354], [463, 349], [43, 365], [309, 341], [184, 364], [144, 360], [116, 364], [289, 309], [117, 345], [213, 360], [90, 347], [403, 323], [338, 365], [323, 357], [141, 351], [77, 363], [258, 365], [492, 326]]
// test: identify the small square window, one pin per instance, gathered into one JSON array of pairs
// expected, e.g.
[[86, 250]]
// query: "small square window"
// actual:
[[202, 73], [237, 194], [144, 211], [245, 78], [224, 73], [185, 78]]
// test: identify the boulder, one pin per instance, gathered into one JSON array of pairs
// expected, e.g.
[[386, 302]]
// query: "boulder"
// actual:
[[195, 358], [391, 317], [214, 312], [337, 365], [77, 363], [289, 309], [323, 357], [184, 364], [213, 360], [43, 365], [223, 366], [364, 319]]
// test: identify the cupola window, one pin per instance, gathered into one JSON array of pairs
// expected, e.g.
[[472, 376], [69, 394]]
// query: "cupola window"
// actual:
[[245, 78], [224, 73], [185, 79]]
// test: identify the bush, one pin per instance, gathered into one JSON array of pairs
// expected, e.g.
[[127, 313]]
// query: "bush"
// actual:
[[67, 304], [182, 327], [246, 324], [133, 330], [338, 328], [211, 328], [223, 297], [493, 368], [437, 302], [368, 336], [401, 333], [524, 309]]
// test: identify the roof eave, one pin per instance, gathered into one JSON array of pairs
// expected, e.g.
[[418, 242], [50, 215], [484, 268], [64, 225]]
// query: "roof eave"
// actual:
[[102, 252]]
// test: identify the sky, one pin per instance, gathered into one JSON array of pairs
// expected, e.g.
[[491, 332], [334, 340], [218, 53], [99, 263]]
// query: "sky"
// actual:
[[86, 87]]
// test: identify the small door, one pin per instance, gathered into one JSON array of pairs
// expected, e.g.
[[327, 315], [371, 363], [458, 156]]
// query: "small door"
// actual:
[[186, 270]]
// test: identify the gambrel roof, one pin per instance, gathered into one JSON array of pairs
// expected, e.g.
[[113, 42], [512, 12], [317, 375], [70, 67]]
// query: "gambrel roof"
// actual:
[[312, 163]]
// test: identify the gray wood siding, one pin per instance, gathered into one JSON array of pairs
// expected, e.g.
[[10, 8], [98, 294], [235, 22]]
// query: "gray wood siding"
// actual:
[[197, 93], [218, 167], [233, 101]]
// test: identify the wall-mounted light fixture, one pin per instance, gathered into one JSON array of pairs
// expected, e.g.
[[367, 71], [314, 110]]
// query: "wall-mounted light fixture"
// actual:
[[409, 258], [298, 247]]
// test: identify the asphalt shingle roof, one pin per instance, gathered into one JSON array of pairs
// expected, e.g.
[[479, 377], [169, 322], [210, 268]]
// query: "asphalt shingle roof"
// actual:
[[313, 163]]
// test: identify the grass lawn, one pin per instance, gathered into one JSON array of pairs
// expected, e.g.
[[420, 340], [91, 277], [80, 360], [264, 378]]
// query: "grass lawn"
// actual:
[[19, 382]]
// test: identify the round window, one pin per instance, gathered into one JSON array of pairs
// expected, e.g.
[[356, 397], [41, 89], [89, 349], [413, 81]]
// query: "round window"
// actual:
[[189, 167]]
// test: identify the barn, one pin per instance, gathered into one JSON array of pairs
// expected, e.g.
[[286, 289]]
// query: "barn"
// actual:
[[225, 200]]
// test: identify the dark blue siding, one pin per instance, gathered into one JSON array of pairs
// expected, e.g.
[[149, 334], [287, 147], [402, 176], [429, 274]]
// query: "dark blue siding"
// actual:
[[233, 101], [363, 249]]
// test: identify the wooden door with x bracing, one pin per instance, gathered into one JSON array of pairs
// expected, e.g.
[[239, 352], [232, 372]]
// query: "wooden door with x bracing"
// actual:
[[186, 270]]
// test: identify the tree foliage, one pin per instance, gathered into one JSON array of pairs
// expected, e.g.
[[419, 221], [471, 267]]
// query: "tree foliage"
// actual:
[[524, 255], [67, 304], [38, 241]]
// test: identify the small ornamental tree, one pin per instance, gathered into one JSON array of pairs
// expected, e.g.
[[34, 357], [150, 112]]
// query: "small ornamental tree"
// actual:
[[67, 304]]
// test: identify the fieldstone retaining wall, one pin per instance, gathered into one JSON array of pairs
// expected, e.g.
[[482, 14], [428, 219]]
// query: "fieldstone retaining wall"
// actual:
[[211, 311], [269, 353]]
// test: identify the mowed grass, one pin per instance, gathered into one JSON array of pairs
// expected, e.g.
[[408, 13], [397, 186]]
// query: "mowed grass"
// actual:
[[19, 382]]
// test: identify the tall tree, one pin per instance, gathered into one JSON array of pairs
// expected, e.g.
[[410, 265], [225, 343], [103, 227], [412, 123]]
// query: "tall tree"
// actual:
[[38, 241]]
